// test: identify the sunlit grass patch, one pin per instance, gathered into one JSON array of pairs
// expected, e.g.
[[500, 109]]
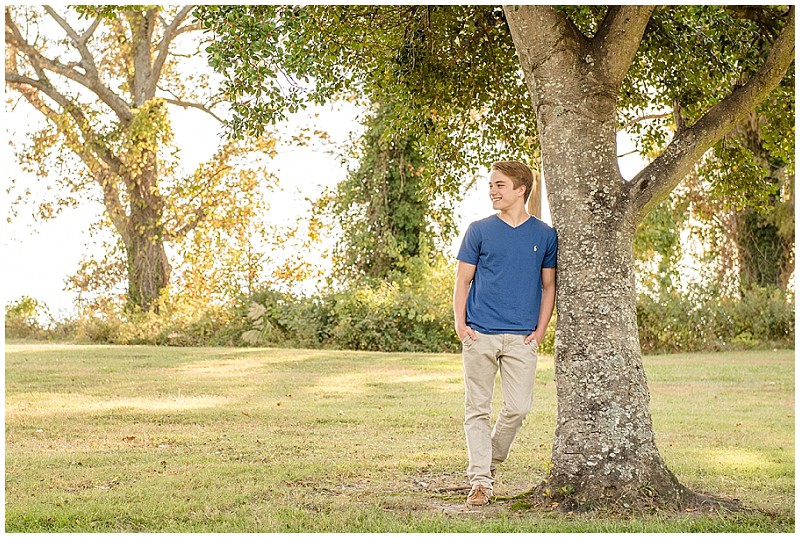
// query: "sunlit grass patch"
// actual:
[[44, 404], [738, 459]]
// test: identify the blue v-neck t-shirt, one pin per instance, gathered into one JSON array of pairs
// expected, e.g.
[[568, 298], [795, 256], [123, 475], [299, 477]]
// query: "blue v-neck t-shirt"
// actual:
[[507, 288]]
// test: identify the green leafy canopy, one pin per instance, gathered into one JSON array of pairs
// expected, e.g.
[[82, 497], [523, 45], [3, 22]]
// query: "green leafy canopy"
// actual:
[[453, 73]]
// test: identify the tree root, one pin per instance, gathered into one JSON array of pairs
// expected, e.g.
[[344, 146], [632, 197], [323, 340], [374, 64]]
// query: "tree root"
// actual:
[[644, 500]]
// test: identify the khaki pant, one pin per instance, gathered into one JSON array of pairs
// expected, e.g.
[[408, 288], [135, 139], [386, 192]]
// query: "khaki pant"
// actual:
[[517, 364]]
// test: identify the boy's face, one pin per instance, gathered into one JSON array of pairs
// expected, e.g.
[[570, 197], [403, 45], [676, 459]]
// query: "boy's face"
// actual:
[[502, 191]]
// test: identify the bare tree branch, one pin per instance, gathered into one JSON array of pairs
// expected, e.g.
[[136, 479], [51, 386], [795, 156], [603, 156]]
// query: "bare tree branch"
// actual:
[[73, 35], [189, 28], [14, 39], [162, 50], [90, 79], [90, 31], [644, 117], [187, 104], [87, 59], [653, 183]]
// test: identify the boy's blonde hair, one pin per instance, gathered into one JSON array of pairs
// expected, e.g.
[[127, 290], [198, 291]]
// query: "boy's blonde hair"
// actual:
[[519, 173]]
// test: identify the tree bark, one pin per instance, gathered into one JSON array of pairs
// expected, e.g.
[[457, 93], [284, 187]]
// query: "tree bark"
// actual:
[[148, 272], [604, 448], [148, 266]]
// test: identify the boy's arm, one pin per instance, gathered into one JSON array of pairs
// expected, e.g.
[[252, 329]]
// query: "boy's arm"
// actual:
[[464, 275], [547, 305]]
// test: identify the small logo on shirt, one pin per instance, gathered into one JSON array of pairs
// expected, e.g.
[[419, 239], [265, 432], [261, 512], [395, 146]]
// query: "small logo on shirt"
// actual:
[[535, 248]]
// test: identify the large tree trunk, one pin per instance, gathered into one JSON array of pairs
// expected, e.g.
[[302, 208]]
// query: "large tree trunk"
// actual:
[[604, 449], [148, 266], [604, 444], [148, 272]]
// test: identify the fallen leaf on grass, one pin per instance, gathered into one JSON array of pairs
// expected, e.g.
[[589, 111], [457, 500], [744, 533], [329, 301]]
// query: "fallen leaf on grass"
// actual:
[[245, 413], [128, 438]]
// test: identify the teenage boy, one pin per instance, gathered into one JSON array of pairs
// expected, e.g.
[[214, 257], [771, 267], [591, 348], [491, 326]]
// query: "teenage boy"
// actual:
[[504, 296]]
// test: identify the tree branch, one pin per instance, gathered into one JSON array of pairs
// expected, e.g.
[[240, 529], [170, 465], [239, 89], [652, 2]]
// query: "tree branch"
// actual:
[[199, 215], [680, 123], [103, 172], [68, 106], [112, 203], [162, 50], [28, 89], [658, 179], [645, 117], [79, 43], [14, 39], [189, 28], [618, 38], [90, 31], [186, 104], [87, 60], [90, 79]]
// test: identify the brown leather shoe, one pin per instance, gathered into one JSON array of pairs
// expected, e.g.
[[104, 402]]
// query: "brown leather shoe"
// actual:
[[479, 495]]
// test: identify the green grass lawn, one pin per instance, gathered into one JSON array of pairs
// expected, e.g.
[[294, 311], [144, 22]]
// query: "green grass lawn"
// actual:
[[110, 439]]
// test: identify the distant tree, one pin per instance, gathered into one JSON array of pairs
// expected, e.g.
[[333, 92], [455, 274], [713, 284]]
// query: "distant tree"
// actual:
[[104, 78], [759, 216], [381, 208], [742, 192], [585, 71]]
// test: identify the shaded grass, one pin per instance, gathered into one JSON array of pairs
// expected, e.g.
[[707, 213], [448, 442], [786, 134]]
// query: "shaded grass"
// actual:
[[112, 439]]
